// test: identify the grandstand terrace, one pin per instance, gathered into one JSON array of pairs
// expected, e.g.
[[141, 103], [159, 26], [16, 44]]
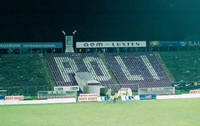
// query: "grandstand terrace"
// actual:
[[23, 74], [112, 70], [183, 65], [64, 66], [138, 70]]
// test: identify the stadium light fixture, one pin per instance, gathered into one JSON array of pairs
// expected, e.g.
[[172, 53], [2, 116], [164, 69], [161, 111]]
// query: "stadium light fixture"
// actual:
[[63, 32], [74, 32]]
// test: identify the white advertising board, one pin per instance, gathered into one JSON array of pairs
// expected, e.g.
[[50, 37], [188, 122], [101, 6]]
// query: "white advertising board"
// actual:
[[111, 44], [87, 97]]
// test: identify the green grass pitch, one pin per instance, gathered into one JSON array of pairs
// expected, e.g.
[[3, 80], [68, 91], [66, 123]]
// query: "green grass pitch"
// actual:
[[139, 113]]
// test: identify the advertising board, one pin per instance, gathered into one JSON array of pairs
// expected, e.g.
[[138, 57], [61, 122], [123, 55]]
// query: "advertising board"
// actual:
[[66, 88], [194, 91], [168, 43], [87, 97], [6, 45], [110, 44], [147, 96]]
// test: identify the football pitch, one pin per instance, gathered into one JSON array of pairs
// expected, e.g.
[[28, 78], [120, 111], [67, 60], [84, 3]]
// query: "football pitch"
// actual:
[[139, 113]]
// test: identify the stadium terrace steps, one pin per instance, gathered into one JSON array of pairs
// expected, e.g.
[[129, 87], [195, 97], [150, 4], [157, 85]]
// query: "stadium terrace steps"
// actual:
[[184, 65], [22, 71], [102, 56], [64, 67], [138, 70], [131, 70], [169, 74]]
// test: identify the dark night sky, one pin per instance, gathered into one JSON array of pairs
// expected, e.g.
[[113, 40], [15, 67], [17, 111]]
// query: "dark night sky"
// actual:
[[43, 20]]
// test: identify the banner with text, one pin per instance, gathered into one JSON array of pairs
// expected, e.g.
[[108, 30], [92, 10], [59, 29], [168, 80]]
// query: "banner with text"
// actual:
[[193, 43], [111, 44], [168, 43], [175, 43], [6, 45]]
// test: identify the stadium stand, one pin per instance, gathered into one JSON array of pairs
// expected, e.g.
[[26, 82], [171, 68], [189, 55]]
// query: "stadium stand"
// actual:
[[183, 65], [135, 70], [23, 74], [64, 66], [130, 70]]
